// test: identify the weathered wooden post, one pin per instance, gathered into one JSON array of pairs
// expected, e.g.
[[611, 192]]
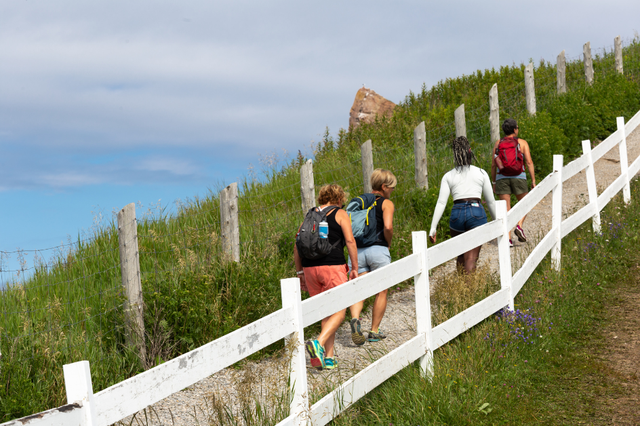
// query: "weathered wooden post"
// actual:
[[494, 113], [618, 54], [504, 253], [423, 302], [367, 165], [130, 272], [307, 186], [591, 186], [291, 298], [461, 125], [562, 73], [624, 162], [530, 90], [420, 152], [588, 63], [556, 214], [77, 382], [229, 223]]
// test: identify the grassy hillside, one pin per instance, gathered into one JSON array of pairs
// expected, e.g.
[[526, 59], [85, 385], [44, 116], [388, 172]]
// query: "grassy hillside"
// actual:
[[71, 309]]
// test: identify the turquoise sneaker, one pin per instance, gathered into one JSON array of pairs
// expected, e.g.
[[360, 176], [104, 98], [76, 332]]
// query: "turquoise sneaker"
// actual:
[[316, 354], [330, 363]]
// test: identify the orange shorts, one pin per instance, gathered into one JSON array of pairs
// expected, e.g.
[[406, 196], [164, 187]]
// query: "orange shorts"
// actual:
[[323, 278]]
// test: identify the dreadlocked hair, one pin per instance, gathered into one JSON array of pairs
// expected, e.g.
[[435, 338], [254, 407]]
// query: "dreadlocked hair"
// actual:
[[462, 154]]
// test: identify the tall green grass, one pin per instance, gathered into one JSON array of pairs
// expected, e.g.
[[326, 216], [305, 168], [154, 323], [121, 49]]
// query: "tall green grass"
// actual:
[[70, 308]]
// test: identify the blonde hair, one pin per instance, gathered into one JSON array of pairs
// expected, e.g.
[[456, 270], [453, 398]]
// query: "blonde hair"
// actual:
[[332, 194], [381, 177]]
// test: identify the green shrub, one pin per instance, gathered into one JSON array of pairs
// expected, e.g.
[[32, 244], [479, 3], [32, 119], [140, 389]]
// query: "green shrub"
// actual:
[[589, 112], [544, 138]]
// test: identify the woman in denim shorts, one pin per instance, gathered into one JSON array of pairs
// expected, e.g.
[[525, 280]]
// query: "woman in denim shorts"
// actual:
[[466, 183], [374, 257]]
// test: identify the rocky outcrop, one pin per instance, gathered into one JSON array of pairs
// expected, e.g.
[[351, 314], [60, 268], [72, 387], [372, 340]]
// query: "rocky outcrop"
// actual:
[[367, 105]]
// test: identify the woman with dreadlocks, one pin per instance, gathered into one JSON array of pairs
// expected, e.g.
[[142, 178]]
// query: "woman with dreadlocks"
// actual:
[[466, 183]]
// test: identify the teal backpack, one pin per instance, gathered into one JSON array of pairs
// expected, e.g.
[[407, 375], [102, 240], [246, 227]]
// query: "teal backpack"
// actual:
[[361, 211]]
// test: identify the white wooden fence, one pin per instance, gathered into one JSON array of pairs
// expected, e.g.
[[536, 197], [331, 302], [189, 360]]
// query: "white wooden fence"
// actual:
[[132, 395]]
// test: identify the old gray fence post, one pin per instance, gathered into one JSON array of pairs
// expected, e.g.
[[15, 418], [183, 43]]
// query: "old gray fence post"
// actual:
[[588, 63], [130, 272], [562, 73], [618, 53], [420, 152], [461, 125], [229, 223], [367, 165], [530, 89], [494, 113], [307, 186]]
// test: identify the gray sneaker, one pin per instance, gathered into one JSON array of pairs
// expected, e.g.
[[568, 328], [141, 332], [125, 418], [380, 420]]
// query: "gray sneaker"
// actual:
[[356, 334], [376, 337]]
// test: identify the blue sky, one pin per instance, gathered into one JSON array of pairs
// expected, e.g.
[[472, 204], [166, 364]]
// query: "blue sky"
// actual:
[[107, 103]]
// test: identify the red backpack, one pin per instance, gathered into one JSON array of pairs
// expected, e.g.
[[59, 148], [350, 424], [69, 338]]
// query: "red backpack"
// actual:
[[509, 160]]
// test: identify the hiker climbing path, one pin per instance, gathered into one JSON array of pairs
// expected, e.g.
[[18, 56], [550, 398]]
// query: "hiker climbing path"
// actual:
[[202, 402]]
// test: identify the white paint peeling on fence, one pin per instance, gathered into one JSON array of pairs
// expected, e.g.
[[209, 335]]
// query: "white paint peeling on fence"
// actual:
[[366, 380], [67, 415], [132, 395]]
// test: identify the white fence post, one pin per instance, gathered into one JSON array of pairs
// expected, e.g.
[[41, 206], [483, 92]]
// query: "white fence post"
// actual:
[[420, 152], [624, 162], [588, 63], [229, 223], [556, 213], [461, 125], [423, 301], [530, 90], [77, 381], [290, 288], [307, 186], [367, 165], [130, 273], [618, 54], [591, 185], [562, 73], [504, 253], [494, 113]]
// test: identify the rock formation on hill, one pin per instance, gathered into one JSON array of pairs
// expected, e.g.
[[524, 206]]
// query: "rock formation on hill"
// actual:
[[367, 105]]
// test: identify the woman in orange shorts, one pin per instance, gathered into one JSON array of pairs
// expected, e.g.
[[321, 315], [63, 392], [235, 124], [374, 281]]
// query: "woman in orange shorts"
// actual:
[[328, 272]]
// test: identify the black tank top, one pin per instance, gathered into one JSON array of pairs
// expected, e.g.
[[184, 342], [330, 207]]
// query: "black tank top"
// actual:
[[336, 257], [380, 222]]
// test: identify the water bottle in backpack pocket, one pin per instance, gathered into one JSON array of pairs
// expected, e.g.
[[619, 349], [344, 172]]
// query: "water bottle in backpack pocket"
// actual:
[[309, 241]]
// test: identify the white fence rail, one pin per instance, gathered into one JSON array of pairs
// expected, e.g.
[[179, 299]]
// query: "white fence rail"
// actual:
[[136, 393]]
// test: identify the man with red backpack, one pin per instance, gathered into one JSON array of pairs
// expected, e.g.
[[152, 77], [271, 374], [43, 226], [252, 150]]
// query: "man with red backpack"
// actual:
[[510, 154]]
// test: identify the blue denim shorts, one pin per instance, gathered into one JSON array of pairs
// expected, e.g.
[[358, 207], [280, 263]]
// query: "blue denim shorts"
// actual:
[[466, 216], [372, 258]]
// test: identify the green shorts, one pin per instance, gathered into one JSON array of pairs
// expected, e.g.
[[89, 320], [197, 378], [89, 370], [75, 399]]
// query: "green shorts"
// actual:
[[512, 186]]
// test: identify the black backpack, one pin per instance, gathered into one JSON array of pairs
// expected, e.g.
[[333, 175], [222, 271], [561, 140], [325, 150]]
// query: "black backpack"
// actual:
[[362, 212], [308, 241]]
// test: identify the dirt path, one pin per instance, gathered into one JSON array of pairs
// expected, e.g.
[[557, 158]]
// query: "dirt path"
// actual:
[[195, 405], [623, 356]]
